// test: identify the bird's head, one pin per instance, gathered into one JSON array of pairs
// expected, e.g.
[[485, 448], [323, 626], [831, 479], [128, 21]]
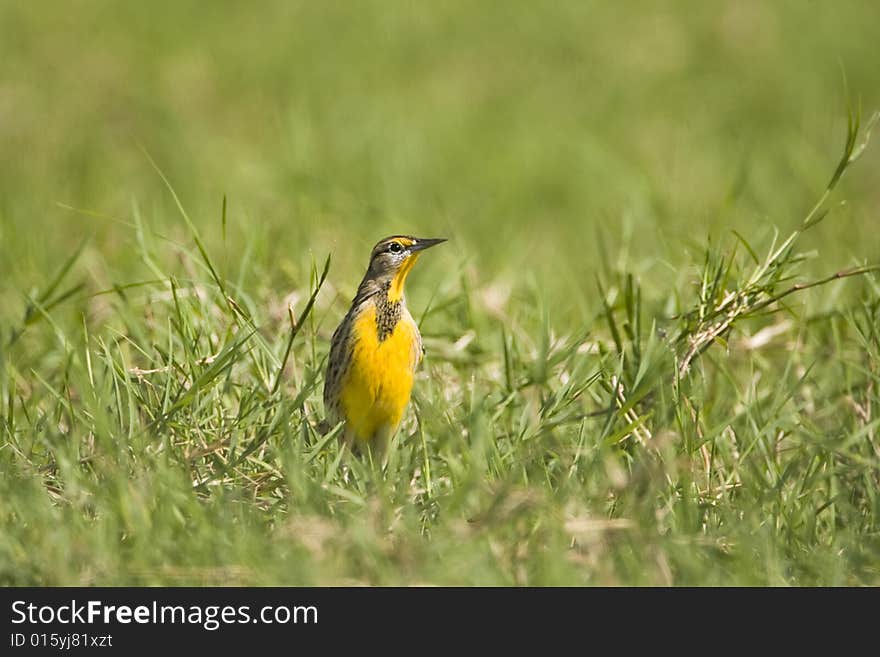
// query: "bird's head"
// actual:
[[392, 259]]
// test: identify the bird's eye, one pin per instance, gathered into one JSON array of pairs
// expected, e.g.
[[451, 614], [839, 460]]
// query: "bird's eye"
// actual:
[[394, 247]]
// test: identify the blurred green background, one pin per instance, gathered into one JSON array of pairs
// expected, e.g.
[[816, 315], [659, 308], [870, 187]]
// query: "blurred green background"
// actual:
[[522, 130]]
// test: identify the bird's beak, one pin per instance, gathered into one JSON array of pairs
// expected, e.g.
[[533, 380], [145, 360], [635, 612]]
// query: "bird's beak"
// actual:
[[422, 244]]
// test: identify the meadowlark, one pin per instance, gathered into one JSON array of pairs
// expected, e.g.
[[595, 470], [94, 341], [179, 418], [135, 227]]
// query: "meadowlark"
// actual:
[[376, 349]]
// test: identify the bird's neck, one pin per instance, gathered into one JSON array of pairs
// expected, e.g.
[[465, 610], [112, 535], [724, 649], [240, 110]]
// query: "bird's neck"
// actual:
[[388, 310], [395, 290], [389, 307]]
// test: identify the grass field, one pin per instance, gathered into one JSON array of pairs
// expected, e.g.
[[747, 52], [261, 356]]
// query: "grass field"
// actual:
[[630, 379]]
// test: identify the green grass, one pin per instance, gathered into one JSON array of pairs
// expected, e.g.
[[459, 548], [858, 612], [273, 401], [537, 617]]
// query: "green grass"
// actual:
[[652, 358]]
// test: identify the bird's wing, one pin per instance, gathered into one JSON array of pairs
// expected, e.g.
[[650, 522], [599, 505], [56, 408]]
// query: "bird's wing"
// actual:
[[337, 364]]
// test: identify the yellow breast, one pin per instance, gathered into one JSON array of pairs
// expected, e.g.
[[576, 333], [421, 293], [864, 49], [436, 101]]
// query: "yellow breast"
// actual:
[[377, 385]]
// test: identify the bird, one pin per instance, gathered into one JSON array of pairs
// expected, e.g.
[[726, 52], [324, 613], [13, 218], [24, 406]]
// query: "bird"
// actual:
[[376, 349]]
